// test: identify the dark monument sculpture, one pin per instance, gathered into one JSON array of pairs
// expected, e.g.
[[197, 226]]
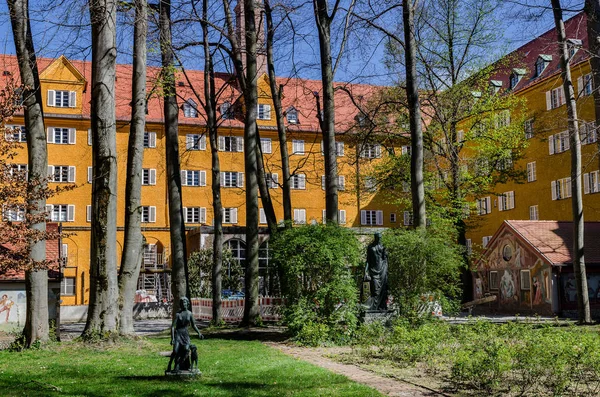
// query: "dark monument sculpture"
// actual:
[[376, 273], [180, 339]]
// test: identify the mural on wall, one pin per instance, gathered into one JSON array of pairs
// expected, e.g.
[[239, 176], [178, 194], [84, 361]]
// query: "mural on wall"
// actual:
[[12, 306], [568, 290]]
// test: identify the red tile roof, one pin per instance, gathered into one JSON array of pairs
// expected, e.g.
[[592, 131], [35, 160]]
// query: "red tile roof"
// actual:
[[554, 239]]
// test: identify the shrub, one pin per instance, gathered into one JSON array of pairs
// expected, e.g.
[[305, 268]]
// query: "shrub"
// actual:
[[200, 264], [316, 263]]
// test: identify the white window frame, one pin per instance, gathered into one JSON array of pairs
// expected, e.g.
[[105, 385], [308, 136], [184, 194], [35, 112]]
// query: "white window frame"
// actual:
[[392, 217], [149, 140], [371, 217], [528, 127], [506, 201], [195, 142], [190, 109], [62, 99], [148, 176], [18, 133], [68, 286], [341, 217], [370, 151], [66, 136], [298, 182], [193, 178], [194, 214], [65, 173], [272, 180], [292, 115], [561, 188], [226, 110], [555, 98], [232, 179], [531, 172], [591, 182], [408, 218], [265, 145], [230, 215], [13, 213], [559, 143], [231, 144], [588, 132], [148, 214], [534, 213], [299, 216], [61, 212], [484, 205], [263, 112], [298, 146]]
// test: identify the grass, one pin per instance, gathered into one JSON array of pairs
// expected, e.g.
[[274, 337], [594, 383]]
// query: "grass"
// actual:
[[135, 368]]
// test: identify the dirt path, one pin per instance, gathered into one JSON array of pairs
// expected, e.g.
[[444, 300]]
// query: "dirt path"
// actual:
[[318, 356]]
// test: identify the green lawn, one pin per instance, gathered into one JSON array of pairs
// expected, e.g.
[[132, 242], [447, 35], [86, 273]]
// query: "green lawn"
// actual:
[[229, 368]]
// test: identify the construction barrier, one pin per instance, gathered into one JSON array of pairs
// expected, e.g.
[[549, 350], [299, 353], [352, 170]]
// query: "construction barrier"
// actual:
[[233, 309]]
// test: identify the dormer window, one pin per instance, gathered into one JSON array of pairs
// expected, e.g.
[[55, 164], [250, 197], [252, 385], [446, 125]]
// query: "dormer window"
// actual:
[[226, 111], [573, 45], [292, 115], [264, 112], [495, 86], [190, 109], [541, 63], [62, 99], [515, 77]]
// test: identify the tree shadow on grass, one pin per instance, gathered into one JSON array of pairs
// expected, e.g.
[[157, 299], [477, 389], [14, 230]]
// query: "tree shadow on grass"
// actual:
[[252, 334]]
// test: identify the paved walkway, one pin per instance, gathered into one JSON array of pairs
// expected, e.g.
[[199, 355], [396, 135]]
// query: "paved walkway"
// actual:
[[141, 327]]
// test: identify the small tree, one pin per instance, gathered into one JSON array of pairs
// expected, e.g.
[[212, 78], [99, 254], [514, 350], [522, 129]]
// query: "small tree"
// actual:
[[201, 272]]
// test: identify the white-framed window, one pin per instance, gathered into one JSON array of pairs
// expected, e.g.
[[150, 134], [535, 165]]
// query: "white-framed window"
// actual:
[[506, 201], [88, 213], [292, 115], [67, 286], [393, 217], [89, 137], [541, 63], [194, 214], [264, 112], [371, 217], [61, 135], [231, 144], [514, 80], [341, 182], [149, 139], [370, 183], [297, 146], [370, 151], [298, 181], [484, 205], [408, 218], [226, 111], [190, 108], [533, 213], [195, 142], [485, 241], [585, 84], [19, 170], [561, 188], [232, 179], [262, 216], [341, 217], [406, 150], [272, 180], [193, 178], [299, 216], [469, 246], [339, 148], [591, 182], [555, 98], [531, 172], [61, 173], [559, 143], [13, 213], [265, 145], [18, 133], [528, 126], [493, 280], [61, 212], [587, 132], [148, 214], [148, 176], [230, 215], [90, 174], [525, 280], [62, 99]]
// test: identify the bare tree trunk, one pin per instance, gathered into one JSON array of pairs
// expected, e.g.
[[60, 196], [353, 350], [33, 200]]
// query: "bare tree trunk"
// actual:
[[263, 188], [134, 241], [103, 310], [414, 111], [251, 307], [36, 281], [281, 130], [583, 303], [323, 21], [179, 269], [210, 107]]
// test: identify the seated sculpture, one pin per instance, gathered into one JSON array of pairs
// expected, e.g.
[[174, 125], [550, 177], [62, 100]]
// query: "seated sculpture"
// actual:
[[180, 339]]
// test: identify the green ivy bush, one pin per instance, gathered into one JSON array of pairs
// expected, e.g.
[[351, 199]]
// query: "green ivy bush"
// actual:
[[316, 263], [200, 264]]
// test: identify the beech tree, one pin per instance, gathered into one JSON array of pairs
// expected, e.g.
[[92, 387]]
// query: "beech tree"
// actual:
[[581, 284], [134, 240], [36, 277], [102, 316]]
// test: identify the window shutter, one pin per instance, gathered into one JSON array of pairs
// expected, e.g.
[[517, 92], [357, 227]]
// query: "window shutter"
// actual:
[[322, 148], [501, 202], [323, 182], [302, 181], [488, 205], [221, 143], [240, 179], [240, 144], [152, 176], [152, 139], [341, 182], [88, 213], [511, 199], [568, 188], [580, 86], [342, 217], [189, 142], [50, 135], [183, 178], [51, 173], [561, 94], [548, 100], [90, 174], [553, 189], [406, 218], [274, 181], [303, 216], [71, 174], [222, 178], [363, 217], [266, 145], [185, 214], [234, 215], [324, 217], [379, 217], [72, 136], [49, 210], [551, 144], [152, 214], [51, 95], [202, 178], [70, 213], [340, 148], [377, 150], [202, 143], [586, 183], [267, 109], [202, 214], [262, 217], [72, 99], [89, 137]]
